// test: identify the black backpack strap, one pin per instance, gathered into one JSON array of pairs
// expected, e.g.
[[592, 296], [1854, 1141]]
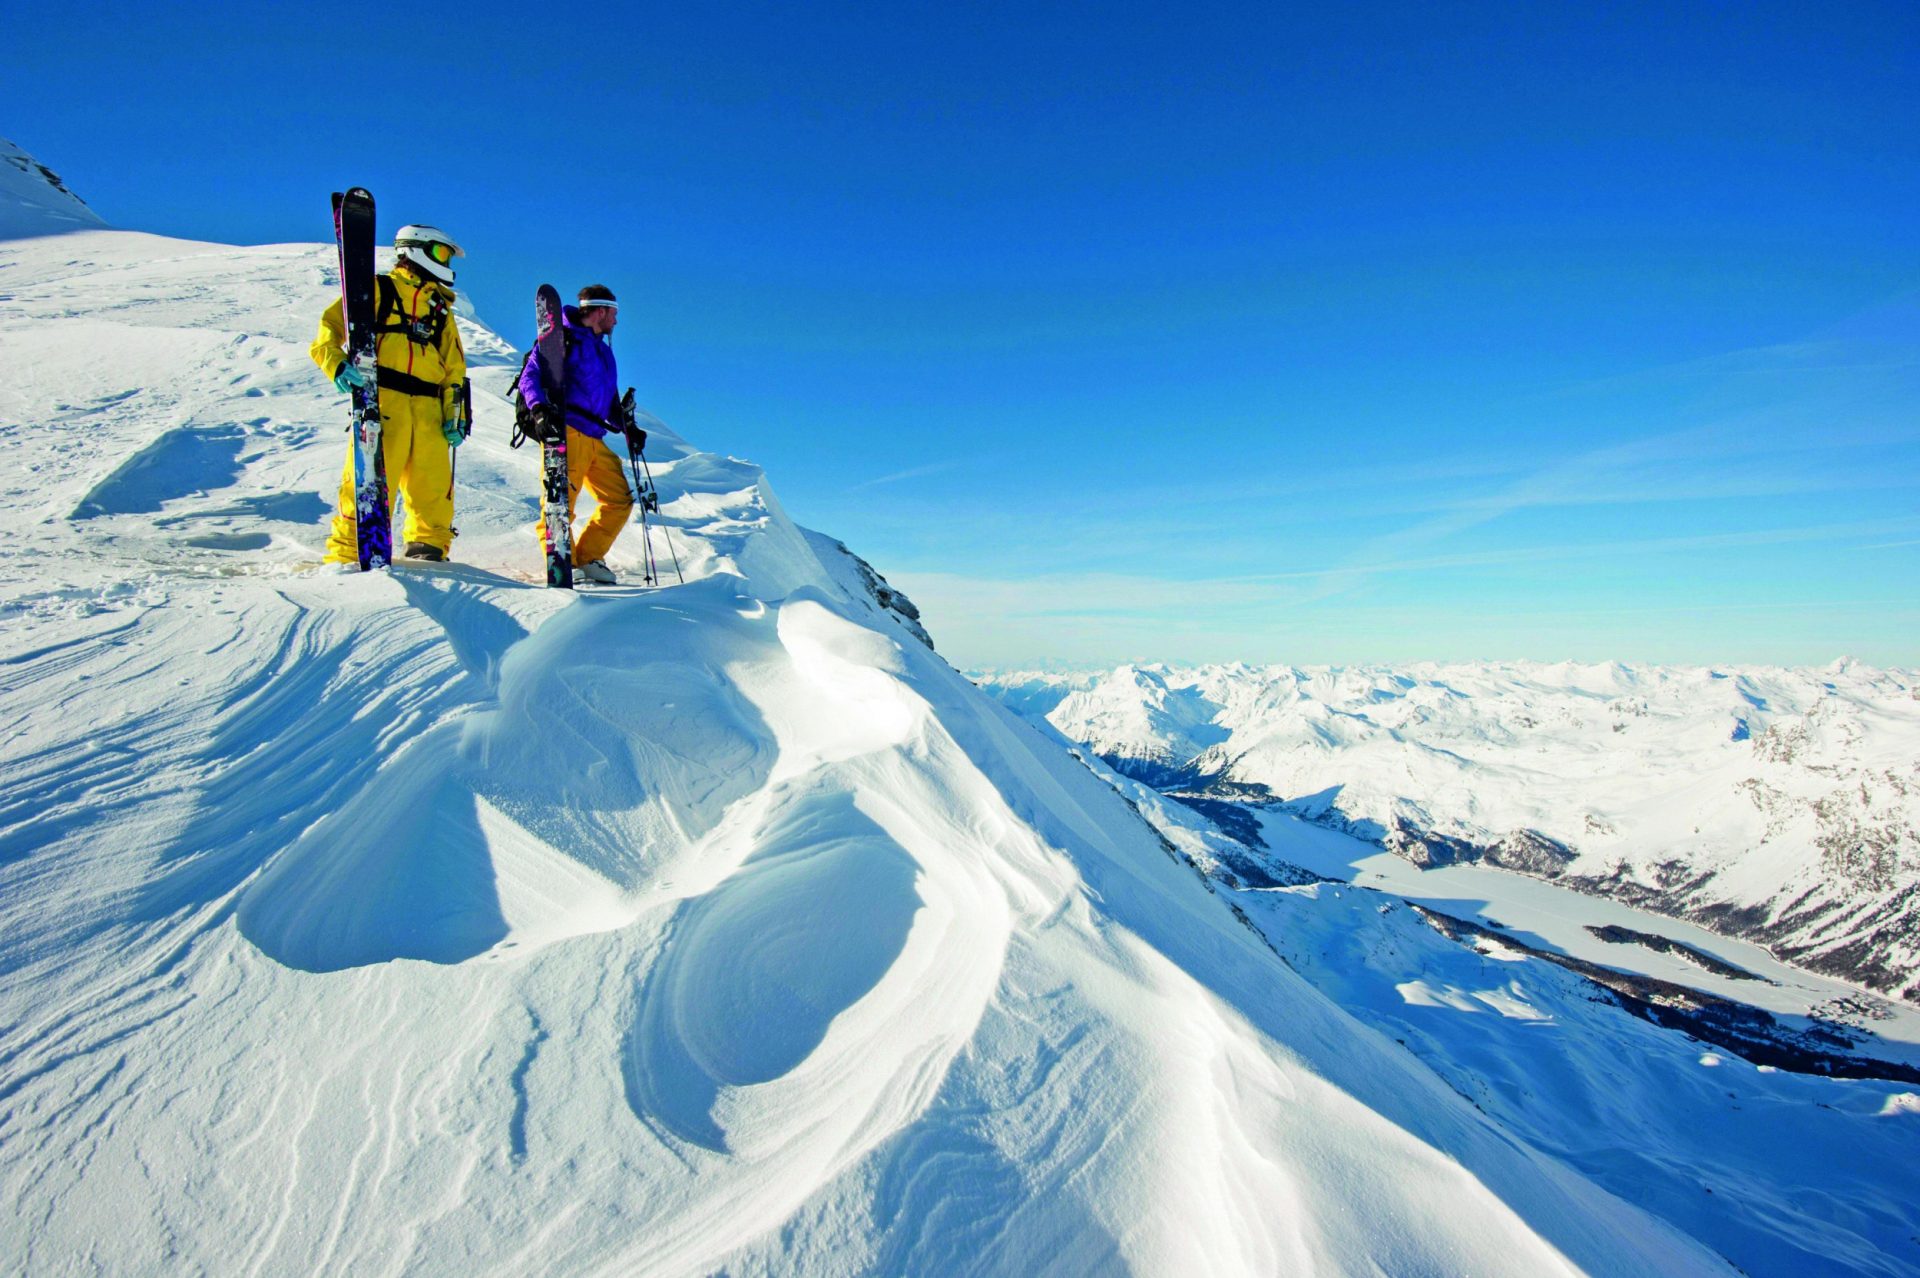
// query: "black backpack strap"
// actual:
[[388, 307], [407, 384], [387, 318]]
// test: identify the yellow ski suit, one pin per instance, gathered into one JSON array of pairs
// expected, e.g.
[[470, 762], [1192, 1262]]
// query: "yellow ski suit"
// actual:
[[419, 460]]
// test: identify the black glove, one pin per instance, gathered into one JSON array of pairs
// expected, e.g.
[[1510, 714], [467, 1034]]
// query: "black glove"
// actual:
[[549, 424], [636, 441]]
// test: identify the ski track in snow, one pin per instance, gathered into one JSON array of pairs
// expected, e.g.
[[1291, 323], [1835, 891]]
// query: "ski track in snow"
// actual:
[[430, 921]]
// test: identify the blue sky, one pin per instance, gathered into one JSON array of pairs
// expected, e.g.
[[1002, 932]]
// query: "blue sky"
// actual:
[[1254, 332]]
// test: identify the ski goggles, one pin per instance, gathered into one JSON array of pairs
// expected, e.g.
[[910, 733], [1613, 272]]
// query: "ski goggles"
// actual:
[[592, 302], [437, 251]]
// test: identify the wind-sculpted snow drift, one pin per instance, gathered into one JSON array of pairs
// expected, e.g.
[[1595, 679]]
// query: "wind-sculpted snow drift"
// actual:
[[435, 922]]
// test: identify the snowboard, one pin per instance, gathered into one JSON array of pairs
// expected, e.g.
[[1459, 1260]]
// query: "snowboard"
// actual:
[[555, 524], [353, 233]]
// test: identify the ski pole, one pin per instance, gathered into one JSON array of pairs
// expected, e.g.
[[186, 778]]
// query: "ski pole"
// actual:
[[465, 401], [642, 498], [663, 527]]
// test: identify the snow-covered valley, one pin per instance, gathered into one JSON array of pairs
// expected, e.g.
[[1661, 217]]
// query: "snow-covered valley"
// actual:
[[430, 921]]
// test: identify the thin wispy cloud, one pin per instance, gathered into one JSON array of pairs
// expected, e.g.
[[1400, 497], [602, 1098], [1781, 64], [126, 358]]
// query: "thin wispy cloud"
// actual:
[[915, 472], [1694, 479], [1106, 593], [1604, 549], [1719, 460]]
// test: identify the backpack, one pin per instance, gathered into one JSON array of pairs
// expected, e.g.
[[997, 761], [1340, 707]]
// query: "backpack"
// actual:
[[522, 412]]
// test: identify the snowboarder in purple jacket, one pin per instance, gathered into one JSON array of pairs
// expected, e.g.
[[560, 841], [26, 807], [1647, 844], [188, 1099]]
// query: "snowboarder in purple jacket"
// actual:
[[590, 390]]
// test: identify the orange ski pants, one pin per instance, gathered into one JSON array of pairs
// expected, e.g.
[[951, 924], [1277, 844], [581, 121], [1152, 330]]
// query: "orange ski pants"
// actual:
[[596, 467]]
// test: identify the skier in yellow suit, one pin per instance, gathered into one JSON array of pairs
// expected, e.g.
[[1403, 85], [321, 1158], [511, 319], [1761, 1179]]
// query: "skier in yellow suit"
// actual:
[[422, 367]]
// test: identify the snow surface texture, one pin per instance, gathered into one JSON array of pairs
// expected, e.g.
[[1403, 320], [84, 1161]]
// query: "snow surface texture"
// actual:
[[1779, 805], [433, 922]]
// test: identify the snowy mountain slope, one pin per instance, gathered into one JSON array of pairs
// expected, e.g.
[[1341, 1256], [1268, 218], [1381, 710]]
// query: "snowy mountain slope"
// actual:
[[33, 199], [434, 922], [1782, 1171], [1689, 1131], [1778, 805]]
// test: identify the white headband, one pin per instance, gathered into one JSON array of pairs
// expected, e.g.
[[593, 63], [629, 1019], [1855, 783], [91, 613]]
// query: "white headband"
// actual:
[[597, 301]]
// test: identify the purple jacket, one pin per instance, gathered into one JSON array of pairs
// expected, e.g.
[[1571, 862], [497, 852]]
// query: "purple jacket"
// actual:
[[591, 378]]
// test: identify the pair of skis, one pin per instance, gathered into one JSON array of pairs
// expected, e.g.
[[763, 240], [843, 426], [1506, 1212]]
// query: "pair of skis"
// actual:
[[353, 234], [556, 527]]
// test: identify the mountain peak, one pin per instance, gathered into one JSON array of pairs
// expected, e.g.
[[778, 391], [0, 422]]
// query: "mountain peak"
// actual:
[[34, 201]]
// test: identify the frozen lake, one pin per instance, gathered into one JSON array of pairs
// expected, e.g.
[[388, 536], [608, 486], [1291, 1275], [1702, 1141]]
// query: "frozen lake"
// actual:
[[1547, 916]]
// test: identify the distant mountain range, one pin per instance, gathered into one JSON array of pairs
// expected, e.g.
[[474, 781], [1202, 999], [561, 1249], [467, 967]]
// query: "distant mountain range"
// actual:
[[1777, 805]]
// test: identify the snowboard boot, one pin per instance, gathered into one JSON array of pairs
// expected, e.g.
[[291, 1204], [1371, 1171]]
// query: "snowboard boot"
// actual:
[[598, 573], [421, 550]]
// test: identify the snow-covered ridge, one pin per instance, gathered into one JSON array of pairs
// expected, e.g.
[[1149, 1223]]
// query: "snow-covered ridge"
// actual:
[[432, 921], [33, 199], [1777, 804]]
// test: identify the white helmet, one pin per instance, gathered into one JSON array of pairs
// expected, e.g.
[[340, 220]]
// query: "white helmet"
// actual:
[[429, 250]]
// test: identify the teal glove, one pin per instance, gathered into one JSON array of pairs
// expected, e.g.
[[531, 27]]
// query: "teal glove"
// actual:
[[350, 378], [456, 431]]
